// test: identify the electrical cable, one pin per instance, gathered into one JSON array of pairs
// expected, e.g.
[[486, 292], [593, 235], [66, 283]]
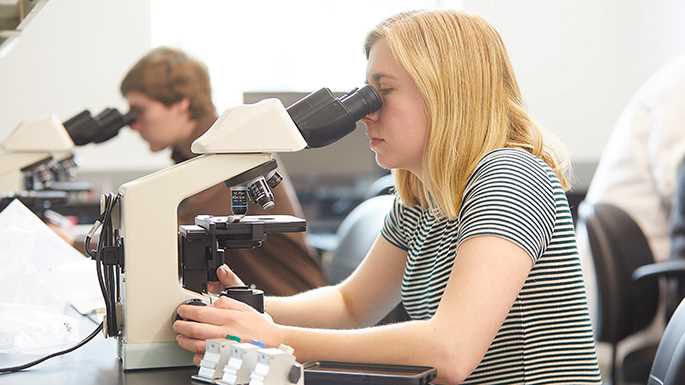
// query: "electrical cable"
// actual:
[[17, 368], [108, 278]]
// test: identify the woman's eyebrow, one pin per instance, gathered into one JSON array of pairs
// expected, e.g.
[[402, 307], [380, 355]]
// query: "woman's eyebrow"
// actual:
[[378, 76]]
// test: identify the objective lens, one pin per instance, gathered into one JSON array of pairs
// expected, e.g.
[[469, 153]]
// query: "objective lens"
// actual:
[[239, 200], [261, 193], [274, 179]]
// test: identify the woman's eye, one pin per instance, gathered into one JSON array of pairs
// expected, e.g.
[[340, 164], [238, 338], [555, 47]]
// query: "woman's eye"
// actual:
[[384, 91]]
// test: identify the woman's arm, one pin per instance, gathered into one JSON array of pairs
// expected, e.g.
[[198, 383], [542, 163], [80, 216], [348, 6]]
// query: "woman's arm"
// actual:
[[362, 299], [487, 274]]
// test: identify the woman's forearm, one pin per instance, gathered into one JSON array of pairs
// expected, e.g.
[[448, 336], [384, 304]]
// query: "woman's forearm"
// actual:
[[324, 307], [408, 343]]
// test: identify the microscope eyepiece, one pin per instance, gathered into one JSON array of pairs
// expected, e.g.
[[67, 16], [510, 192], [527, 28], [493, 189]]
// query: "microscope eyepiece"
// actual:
[[84, 128], [130, 117], [323, 119], [361, 102]]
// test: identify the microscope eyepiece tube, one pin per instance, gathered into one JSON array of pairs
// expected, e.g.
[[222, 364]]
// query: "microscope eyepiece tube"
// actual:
[[323, 119], [361, 102]]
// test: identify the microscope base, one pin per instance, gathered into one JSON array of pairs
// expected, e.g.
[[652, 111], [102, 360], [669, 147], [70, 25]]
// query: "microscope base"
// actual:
[[153, 355]]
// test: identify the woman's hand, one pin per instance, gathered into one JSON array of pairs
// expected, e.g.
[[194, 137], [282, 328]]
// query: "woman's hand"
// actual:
[[224, 317], [227, 278]]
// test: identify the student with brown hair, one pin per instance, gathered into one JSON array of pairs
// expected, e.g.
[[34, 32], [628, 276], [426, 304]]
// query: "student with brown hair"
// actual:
[[171, 93]]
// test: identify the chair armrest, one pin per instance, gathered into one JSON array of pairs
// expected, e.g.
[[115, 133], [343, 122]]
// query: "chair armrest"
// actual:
[[668, 269]]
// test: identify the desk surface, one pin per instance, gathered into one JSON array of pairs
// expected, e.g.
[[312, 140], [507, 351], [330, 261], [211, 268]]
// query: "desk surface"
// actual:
[[94, 363]]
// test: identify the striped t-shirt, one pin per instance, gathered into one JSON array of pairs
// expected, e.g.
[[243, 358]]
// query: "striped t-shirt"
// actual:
[[547, 335]]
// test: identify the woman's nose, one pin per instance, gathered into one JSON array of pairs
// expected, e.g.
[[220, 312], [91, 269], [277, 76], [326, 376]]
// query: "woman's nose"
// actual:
[[371, 117]]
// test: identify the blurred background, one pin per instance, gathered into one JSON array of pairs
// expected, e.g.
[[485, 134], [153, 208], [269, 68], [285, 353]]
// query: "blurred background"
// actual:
[[578, 62]]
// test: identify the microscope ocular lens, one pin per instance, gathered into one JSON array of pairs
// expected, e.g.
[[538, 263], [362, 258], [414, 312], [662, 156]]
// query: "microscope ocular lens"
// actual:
[[130, 117], [323, 119], [362, 102]]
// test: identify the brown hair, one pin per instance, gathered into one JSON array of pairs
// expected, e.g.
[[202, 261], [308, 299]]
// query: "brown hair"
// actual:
[[169, 75], [472, 101]]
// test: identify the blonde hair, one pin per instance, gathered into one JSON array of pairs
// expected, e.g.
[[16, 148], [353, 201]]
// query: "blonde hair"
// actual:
[[472, 102]]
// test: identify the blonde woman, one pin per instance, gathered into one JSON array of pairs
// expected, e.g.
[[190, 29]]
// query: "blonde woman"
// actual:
[[479, 246]]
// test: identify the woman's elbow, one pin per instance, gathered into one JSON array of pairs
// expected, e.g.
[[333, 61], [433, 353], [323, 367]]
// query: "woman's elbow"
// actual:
[[449, 376], [454, 367]]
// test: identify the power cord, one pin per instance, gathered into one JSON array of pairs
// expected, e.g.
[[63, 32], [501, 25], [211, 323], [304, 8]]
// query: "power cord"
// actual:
[[107, 261], [107, 265], [17, 368]]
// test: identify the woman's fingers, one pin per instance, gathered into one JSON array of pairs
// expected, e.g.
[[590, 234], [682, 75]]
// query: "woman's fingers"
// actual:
[[200, 331], [214, 287], [207, 314], [197, 358], [227, 277], [231, 304], [192, 345]]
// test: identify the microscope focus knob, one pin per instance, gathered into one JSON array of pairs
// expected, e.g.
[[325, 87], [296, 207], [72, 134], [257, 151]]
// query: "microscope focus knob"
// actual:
[[192, 302]]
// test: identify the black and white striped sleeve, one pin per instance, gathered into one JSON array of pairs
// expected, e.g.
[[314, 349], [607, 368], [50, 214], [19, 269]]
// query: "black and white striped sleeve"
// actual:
[[510, 195], [393, 229]]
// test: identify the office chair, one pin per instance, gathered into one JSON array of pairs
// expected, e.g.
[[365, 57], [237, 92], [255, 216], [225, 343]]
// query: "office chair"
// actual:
[[382, 186], [669, 363], [628, 293], [355, 236]]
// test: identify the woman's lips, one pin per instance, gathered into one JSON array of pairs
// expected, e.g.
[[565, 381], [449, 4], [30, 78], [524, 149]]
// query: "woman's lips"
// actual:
[[374, 142]]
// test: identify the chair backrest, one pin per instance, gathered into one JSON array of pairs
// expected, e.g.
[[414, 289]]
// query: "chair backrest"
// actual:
[[618, 247], [356, 235], [669, 362], [382, 186]]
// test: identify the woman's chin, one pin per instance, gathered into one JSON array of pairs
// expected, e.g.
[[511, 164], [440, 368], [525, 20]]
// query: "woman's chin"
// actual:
[[384, 163]]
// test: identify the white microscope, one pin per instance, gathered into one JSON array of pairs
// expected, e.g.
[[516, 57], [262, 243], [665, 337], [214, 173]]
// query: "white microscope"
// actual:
[[148, 265], [26, 153], [37, 158]]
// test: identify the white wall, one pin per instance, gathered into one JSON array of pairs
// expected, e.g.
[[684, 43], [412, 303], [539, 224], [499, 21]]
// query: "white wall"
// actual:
[[275, 45], [72, 55], [579, 61]]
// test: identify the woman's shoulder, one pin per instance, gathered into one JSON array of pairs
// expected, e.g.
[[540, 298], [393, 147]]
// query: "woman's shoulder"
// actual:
[[512, 167], [513, 155], [512, 161]]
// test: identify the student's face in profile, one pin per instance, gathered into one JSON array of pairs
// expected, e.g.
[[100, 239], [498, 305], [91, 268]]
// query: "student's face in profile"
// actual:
[[159, 125], [398, 131]]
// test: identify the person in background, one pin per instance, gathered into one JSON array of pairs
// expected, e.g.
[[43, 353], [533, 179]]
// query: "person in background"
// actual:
[[678, 215], [171, 93], [638, 169], [638, 172], [479, 246]]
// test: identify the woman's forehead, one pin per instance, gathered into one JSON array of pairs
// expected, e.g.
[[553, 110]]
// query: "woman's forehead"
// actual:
[[381, 64]]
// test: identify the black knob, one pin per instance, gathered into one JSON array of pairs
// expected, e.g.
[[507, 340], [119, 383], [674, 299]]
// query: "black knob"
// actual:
[[244, 294], [192, 302], [294, 374]]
